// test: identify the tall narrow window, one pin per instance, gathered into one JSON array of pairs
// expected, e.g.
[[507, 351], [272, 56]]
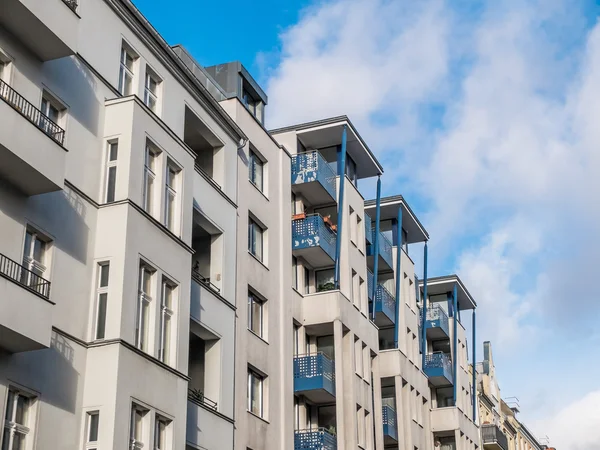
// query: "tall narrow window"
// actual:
[[136, 436], [255, 314], [149, 177], [294, 272], [112, 154], [34, 260], [151, 89], [255, 393], [306, 280], [101, 300], [91, 431], [126, 72], [16, 423], [255, 239], [171, 197], [50, 110], [144, 299], [256, 168], [166, 313], [160, 433]]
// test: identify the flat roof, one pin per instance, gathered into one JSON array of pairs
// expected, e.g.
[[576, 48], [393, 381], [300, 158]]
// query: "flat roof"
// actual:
[[444, 284], [320, 134], [415, 231]]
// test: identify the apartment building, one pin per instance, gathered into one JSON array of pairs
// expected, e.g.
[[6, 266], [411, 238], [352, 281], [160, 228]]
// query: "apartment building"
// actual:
[[446, 302], [500, 428], [118, 211]]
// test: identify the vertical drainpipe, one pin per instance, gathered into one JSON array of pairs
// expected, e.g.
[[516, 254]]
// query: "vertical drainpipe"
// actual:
[[376, 245], [455, 339], [424, 310], [474, 361], [341, 166], [398, 275]]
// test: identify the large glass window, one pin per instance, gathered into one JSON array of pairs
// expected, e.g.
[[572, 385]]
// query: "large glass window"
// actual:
[[126, 72], [256, 169], [325, 280], [255, 393], [255, 314], [255, 239], [16, 424]]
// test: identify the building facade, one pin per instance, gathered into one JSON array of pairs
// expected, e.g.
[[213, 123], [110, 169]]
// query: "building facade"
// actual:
[[174, 275]]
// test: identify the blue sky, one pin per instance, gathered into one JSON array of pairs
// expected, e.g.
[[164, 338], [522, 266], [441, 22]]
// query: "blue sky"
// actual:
[[485, 116]]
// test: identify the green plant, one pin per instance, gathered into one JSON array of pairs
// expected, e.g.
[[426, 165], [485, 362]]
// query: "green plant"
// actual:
[[331, 430], [198, 394]]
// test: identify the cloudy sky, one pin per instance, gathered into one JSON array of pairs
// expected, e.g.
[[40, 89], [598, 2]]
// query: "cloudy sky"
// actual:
[[486, 116]]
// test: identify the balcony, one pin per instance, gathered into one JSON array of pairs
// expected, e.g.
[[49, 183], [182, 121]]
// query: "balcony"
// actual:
[[33, 160], [492, 438], [390, 426], [368, 229], [386, 263], [205, 427], [436, 323], [319, 439], [314, 377], [438, 368], [26, 319], [313, 240], [385, 306], [313, 178], [48, 28]]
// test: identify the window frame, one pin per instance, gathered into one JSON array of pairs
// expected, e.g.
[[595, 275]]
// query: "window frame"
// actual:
[[89, 444], [254, 299], [29, 261], [158, 420], [149, 77], [256, 161], [137, 442], [11, 425], [125, 71], [101, 290], [144, 300], [111, 164], [170, 216], [252, 374], [167, 314], [151, 154], [254, 228]]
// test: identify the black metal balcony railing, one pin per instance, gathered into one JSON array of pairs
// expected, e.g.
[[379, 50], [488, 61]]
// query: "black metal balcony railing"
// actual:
[[17, 102], [23, 276], [196, 275], [196, 396], [491, 434], [71, 4]]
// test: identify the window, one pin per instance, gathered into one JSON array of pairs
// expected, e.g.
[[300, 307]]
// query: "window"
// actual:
[[151, 84], [137, 427], [171, 196], [112, 154], [306, 280], [354, 297], [325, 280], [255, 314], [4, 69], [144, 299], [50, 109], [255, 239], [361, 293], [51, 116], [255, 393], [256, 107], [126, 71], [295, 272], [149, 177], [166, 314], [360, 239], [361, 429], [91, 430], [160, 432], [101, 300], [353, 229], [35, 254], [358, 357], [256, 169], [16, 423]]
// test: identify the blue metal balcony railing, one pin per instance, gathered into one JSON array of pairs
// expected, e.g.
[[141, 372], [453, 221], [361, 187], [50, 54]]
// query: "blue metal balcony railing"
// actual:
[[369, 284], [438, 365], [368, 229], [436, 318], [319, 439], [390, 427], [311, 166], [313, 372], [312, 232], [385, 249], [385, 302]]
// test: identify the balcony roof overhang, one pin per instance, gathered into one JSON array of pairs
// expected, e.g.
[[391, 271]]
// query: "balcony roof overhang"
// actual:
[[442, 285], [389, 210], [327, 133]]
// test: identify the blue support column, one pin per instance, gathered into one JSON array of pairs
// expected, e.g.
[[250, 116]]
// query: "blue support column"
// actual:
[[424, 309], [474, 361], [376, 245], [341, 165], [398, 275], [455, 339]]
